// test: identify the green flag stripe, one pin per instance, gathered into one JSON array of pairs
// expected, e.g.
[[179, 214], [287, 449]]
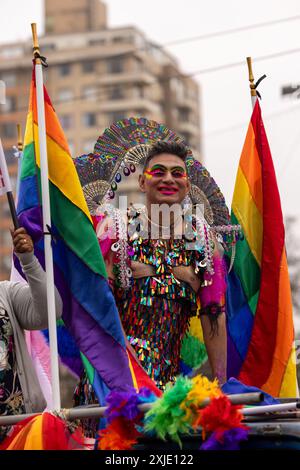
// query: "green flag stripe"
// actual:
[[247, 269], [28, 161], [76, 230]]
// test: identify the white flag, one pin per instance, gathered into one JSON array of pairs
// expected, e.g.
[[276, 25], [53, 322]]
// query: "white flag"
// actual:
[[5, 185]]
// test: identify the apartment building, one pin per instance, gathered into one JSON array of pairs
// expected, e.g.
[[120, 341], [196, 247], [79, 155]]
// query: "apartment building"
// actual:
[[96, 75]]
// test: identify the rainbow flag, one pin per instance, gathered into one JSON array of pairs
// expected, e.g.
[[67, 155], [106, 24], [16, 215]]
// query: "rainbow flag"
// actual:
[[260, 318], [89, 310]]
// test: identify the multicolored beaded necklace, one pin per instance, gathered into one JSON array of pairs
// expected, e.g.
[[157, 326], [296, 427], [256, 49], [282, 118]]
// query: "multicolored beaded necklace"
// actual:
[[156, 310]]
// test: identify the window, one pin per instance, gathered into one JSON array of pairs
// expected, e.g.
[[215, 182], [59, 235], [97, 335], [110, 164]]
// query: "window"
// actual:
[[138, 91], [193, 94], [90, 92], [89, 119], [115, 116], [64, 70], [116, 93], [97, 42], [115, 65], [140, 41], [88, 67], [118, 39], [66, 121], [184, 114], [49, 47], [138, 64], [9, 129], [10, 104], [9, 79], [12, 52], [2, 92], [65, 94], [177, 87]]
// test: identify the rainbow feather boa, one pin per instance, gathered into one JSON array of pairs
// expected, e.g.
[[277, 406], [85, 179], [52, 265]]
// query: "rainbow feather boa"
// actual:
[[178, 411]]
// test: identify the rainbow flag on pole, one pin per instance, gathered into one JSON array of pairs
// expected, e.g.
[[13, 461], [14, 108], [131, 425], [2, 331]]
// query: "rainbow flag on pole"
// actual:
[[89, 310], [260, 318]]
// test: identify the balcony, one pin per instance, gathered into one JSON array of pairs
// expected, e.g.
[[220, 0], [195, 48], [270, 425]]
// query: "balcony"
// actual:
[[187, 127], [127, 77], [183, 101], [129, 104]]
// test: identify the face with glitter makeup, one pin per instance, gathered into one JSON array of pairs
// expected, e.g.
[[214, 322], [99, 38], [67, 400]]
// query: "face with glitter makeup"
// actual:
[[165, 180]]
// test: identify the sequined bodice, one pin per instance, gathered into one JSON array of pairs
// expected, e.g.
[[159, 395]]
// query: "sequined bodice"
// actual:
[[156, 311]]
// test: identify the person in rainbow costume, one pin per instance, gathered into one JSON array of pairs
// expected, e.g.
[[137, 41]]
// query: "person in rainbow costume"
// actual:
[[169, 279]]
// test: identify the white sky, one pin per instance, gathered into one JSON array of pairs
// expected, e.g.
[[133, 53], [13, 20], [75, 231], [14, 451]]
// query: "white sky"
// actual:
[[225, 97]]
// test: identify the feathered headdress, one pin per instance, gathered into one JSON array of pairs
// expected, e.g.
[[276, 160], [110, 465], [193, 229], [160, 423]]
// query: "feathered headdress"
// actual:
[[125, 145]]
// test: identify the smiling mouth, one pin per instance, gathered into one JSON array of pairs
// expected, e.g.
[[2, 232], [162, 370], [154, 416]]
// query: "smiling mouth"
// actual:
[[167, 191]]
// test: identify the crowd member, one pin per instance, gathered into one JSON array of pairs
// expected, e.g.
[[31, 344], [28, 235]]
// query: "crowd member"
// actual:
[[23, 306]]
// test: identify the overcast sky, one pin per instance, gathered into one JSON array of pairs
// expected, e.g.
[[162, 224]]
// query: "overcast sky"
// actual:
[[225, 99]]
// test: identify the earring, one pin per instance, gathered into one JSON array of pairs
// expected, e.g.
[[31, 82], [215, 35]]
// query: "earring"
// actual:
[[186, 201]]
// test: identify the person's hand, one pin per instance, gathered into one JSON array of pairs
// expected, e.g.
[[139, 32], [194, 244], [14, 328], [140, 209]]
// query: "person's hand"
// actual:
[[21, 240]]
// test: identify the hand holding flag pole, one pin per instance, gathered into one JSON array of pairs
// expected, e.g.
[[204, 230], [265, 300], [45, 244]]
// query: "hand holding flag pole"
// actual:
[[46, 219]]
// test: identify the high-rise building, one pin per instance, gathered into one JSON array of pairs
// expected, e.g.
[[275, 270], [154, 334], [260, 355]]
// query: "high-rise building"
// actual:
[[96, 75]]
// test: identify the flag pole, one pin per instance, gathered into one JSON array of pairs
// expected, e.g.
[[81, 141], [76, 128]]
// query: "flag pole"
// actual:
[[7, 186], [20, 141], [18, 154], [251, 80], [46, 221], [88, 411]]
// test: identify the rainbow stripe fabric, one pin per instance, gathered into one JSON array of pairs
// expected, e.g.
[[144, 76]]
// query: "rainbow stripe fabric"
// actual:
[[260, 318], [89, 311]]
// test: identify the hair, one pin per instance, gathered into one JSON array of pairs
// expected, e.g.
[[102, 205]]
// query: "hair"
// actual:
[[162, 146]]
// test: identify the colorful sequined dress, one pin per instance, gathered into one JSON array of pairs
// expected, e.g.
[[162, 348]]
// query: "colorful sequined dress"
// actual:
[[155, 312]]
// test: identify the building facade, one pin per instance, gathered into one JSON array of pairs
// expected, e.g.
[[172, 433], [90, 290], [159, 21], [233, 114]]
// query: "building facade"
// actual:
[[96, 75]]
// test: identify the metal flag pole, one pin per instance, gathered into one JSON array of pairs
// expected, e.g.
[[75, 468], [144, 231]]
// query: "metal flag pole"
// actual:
[[258, 410], [89, 411], [46, 221], [251, 80]]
